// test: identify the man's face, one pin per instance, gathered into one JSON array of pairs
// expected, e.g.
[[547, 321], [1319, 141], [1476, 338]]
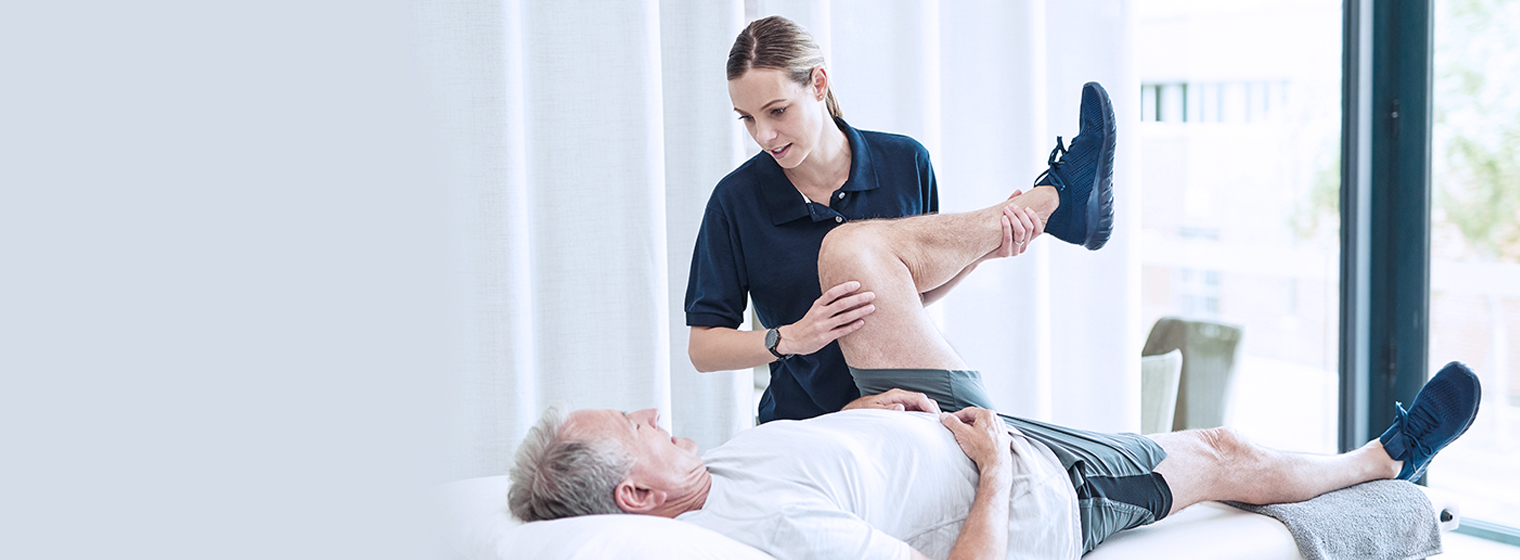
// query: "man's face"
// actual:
[[660, 461]]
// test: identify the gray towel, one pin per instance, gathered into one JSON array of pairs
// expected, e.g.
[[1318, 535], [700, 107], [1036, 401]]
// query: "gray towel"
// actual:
[[1379, 519]]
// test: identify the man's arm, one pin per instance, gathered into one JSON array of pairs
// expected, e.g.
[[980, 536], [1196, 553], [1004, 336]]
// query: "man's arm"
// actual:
[[984, 438]]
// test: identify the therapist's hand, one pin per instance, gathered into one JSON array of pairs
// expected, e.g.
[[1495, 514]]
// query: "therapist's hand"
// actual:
[[1020, 227], [896, 399], [834, 314]]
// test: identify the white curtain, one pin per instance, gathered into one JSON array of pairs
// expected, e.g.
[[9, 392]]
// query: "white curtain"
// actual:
[[585, 137]]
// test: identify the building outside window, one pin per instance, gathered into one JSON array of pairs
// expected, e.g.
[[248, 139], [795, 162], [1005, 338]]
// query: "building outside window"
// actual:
[[1240, 139]]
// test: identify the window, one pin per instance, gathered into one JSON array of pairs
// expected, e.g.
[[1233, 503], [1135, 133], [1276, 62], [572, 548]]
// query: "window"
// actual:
[[1240, 110]]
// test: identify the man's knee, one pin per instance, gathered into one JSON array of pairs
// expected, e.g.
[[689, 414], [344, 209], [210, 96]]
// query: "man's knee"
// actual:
[[1226, 445], [849, 245]]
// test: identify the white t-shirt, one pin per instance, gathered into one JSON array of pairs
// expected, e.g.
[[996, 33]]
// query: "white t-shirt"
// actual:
[[871, 483]]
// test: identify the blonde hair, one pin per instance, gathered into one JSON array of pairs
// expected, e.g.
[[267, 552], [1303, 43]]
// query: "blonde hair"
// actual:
[[778, 43], [554, 477]]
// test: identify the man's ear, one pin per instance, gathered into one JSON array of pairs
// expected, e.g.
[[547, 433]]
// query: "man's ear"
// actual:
[[635, 498]]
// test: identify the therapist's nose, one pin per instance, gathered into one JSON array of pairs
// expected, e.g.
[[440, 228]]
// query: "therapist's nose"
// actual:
[[764, 135]]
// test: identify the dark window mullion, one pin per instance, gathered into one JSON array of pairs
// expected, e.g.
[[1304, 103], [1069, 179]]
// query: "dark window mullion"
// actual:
[[1385, 212]]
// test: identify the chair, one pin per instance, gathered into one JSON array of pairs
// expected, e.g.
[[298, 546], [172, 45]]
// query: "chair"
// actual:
[[1210, 350], [1158, 391]]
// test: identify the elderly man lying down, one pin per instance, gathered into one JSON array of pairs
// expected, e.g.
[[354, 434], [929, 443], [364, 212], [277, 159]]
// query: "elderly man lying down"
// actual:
[[892, 476]]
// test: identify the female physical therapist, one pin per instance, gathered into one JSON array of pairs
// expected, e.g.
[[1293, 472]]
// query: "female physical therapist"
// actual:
[[766, 220]]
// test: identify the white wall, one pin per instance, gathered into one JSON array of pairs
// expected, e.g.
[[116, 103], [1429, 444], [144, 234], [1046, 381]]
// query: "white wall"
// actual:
[[225, 281]]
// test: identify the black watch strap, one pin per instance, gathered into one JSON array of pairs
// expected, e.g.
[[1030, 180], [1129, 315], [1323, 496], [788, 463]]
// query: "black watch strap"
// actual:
[[772, 340]]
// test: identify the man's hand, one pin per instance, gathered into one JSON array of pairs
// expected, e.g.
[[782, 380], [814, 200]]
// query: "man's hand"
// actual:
[[834, 314], [896, 399], [983, 437]]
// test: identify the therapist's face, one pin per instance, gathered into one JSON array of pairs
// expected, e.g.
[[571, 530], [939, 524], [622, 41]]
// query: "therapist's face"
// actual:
[[659, 459], [785, 118]]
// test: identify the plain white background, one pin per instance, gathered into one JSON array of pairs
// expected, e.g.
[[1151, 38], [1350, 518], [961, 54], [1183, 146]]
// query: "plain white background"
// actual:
[[226, 295]]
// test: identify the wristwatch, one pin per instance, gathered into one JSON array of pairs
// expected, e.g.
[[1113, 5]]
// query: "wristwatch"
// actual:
[[773, 339]]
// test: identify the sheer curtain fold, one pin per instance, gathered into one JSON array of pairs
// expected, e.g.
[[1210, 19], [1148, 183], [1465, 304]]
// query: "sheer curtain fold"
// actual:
[[586, 140], [1095, 297], [995, 75], [596, 192], [703, 142]]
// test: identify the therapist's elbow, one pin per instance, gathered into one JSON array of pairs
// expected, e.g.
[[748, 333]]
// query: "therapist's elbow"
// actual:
[[697, 352], [707, 365], [696, 360], [702, 365]]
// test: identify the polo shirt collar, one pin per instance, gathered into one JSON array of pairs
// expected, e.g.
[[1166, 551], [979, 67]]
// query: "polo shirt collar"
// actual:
[[787, 204]]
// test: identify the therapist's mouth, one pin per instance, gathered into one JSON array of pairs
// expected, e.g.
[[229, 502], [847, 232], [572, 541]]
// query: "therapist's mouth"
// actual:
[[781, 152]]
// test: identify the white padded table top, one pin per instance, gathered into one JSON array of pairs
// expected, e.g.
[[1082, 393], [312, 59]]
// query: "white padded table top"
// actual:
[[1213, 531], [1202, 531]]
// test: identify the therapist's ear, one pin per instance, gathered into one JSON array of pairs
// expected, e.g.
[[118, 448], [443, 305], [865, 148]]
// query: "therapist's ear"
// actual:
[[820, 86], [633, 498]]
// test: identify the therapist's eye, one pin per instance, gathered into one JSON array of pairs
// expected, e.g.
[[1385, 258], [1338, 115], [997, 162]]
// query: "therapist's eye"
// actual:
[[777, 112]]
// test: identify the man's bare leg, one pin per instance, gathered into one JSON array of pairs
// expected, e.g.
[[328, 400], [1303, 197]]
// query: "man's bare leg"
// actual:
[[1220, 464], [900, 259]]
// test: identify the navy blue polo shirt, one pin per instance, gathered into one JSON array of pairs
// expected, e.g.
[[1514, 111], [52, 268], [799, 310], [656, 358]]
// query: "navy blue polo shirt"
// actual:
[[760, 238]]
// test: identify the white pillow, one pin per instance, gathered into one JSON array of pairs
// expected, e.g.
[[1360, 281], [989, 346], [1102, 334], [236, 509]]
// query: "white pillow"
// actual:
[[481, 528]]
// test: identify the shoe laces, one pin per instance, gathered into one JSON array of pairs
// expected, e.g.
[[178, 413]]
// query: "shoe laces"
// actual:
[[1057, 157], [1412, 432]]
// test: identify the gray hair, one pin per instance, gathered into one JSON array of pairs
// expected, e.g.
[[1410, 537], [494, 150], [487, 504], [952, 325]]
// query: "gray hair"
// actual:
[[554, 477]]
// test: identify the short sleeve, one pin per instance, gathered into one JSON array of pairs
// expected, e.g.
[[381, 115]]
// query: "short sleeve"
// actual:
[[716, 292], [928, 188]]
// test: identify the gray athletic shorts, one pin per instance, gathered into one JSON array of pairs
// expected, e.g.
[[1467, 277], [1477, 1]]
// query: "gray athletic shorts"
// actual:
[[1112, 473]]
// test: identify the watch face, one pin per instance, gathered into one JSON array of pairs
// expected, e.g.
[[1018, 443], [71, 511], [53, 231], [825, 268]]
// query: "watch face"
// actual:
[[771, 338]]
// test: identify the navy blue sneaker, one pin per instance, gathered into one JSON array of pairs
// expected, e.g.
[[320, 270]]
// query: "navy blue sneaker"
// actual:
[[1442, 412], [1084, 175]]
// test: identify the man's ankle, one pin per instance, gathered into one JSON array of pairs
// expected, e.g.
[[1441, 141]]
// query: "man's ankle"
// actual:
[[1044, 199]]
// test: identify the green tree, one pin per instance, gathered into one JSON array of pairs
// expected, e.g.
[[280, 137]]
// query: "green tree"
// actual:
[[1477, 100]]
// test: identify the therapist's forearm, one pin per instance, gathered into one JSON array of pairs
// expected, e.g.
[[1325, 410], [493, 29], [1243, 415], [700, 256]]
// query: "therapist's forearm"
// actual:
[[724, 349], [985, 532]]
